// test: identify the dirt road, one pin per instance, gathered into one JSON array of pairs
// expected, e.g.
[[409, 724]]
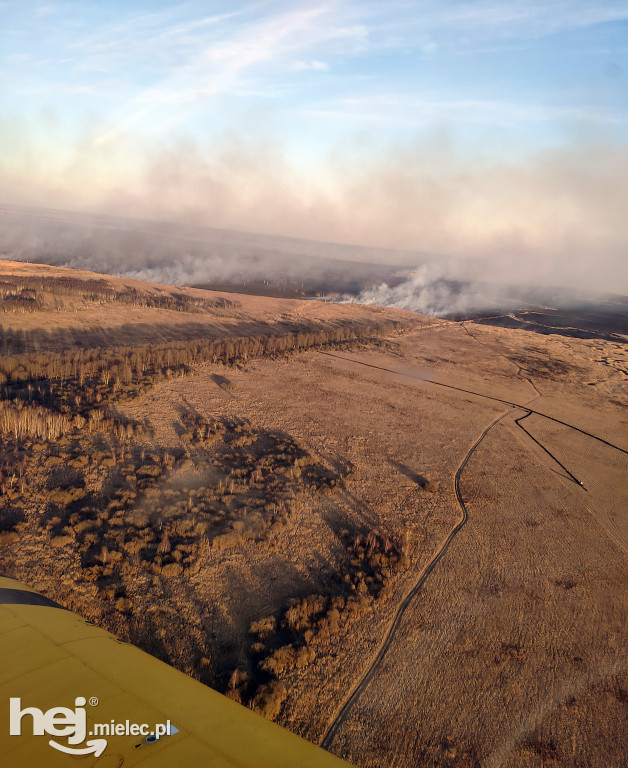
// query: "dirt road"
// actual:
[[362, 683]]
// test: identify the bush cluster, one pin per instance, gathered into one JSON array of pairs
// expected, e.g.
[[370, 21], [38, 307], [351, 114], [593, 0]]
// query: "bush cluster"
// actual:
[[309, 626]]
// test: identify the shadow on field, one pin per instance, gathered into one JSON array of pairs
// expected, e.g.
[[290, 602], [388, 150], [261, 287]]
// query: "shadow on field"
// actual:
[[415, 477]]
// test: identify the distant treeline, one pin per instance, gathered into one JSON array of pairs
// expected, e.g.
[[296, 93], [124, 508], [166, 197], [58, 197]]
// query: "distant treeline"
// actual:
[[20, 294]]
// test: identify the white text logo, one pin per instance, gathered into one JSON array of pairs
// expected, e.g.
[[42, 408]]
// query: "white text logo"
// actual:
[[62, 722]]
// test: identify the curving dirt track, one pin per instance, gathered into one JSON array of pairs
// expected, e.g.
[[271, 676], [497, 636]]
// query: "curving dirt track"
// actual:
[[360, 686], [362, 683], [344, 713]]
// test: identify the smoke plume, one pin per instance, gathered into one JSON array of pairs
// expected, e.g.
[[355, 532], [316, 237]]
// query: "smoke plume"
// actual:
[[556, 217]]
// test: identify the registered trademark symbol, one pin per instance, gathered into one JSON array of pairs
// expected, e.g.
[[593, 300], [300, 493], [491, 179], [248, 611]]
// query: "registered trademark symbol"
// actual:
[[93, 702]]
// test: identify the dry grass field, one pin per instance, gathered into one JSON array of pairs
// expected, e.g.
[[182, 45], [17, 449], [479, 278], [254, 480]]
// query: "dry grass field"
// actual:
[[346, 525]]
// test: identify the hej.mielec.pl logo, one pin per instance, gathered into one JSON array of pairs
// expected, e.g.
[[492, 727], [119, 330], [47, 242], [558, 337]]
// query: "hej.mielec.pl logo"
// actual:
[[62, 723]]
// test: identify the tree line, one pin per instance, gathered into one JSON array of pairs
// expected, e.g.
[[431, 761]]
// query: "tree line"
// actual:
[[19, 293], [130, 364]]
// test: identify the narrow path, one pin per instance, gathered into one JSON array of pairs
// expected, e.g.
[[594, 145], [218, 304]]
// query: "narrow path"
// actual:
[[479, 394], [547, 451], [367, 676], [520, 372]]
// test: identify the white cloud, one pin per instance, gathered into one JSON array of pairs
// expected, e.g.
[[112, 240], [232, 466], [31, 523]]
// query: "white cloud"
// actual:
[[523, 18], [313, 64], [105, 138], [180, 54], [408, 110]]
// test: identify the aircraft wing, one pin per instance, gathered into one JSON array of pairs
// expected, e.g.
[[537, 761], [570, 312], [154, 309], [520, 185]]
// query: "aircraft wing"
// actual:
[[50, 657]]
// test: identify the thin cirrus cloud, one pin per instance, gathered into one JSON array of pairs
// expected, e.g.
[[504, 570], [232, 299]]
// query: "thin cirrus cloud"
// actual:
[[191, 66], [411, 111], [178, 56]]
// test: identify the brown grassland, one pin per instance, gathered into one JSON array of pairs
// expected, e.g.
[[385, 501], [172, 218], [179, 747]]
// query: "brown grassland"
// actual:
[[359, 522]]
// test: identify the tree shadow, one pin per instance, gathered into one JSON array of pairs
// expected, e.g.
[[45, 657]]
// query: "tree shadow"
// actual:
[[411, 474]]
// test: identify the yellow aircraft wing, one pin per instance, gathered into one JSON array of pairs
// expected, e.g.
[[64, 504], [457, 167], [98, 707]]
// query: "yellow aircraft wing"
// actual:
[[52, 659]]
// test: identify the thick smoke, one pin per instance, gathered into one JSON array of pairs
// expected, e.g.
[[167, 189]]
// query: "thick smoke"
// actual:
[[432, 290], [553, 218], [440, 288], [186, 255]]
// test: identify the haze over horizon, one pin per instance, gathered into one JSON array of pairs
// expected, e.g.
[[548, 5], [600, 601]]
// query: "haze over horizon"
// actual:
[[480, 130]]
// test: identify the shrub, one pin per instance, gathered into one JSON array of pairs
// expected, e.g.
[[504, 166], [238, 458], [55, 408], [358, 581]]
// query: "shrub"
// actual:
[[172, 569], [264, 628], [269, 698], [226, 540], [123, 605], [283, 658]]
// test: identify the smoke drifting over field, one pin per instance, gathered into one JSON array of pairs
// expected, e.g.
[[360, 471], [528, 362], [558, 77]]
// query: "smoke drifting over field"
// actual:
[[556, 218], [187, 255], [429, 290]]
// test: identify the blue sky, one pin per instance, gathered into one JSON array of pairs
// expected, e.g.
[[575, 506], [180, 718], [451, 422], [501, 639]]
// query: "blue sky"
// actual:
[[317, 73], [324, 96]]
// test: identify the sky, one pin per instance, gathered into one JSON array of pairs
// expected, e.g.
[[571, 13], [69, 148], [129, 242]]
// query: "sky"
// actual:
[[482, 128]]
